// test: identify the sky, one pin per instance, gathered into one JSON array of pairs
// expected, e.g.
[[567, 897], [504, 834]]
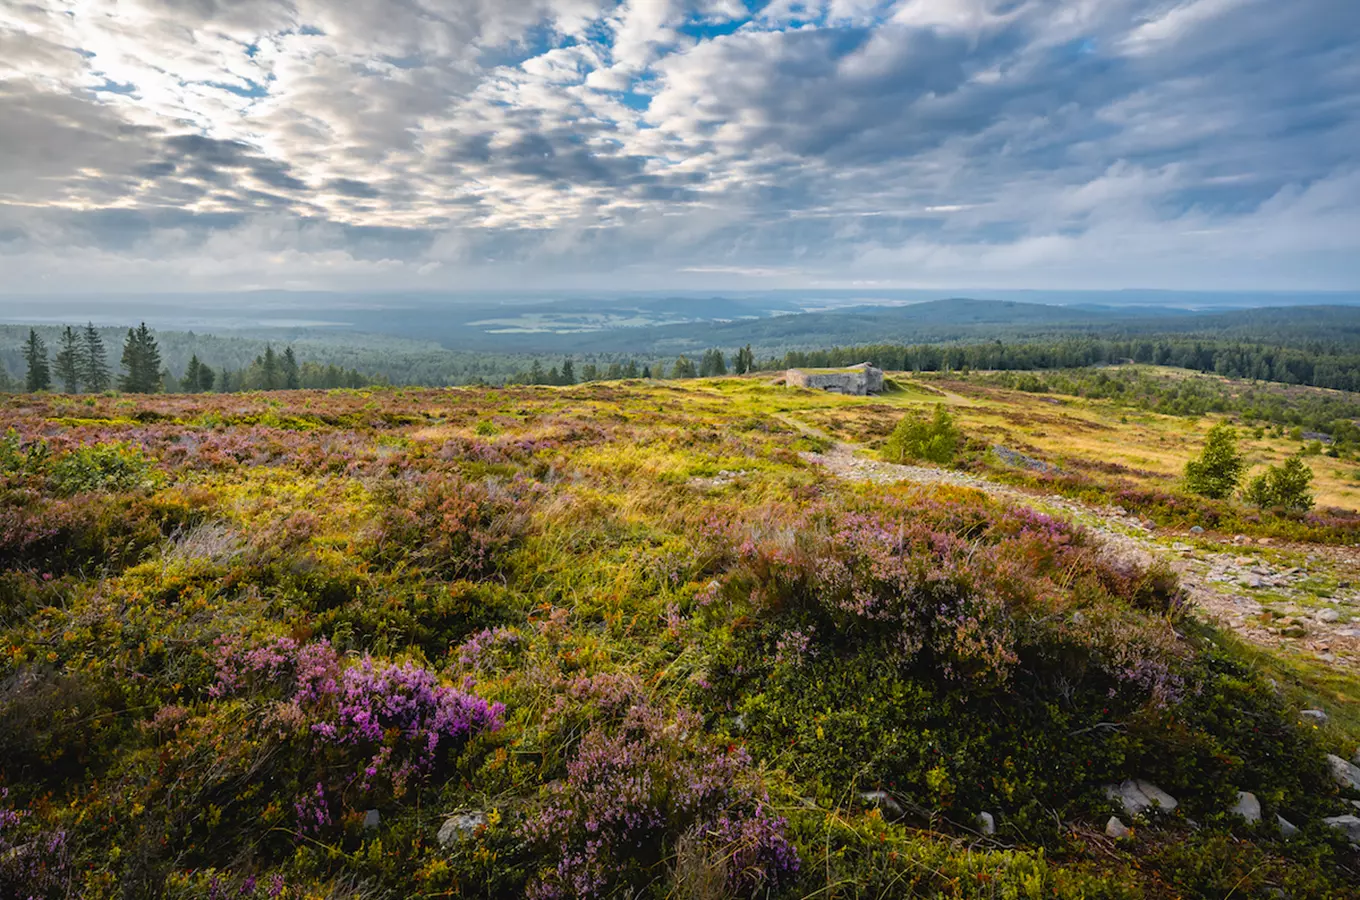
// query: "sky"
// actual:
[[159, 145]]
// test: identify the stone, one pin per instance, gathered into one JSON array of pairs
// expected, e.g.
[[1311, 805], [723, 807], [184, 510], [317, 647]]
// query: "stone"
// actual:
[[1347, 825], [1248, 807], [1345, 774], [884, 803], [1138, 796], [1327, 615], [1116, 829], [1287, 828], [459, 826], [371, 819], [986, 824], [1198, 529], [1314, 716]]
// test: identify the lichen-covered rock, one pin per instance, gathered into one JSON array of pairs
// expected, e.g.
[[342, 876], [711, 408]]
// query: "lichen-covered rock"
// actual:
[[1347, 825], [1248, 807], [1346, 775], [1138, 796], [459, 826]]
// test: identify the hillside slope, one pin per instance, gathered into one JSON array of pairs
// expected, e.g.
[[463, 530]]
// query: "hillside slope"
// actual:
[[625, 639]]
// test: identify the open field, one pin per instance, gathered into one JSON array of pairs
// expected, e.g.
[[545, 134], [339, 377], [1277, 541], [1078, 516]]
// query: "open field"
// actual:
[[657, 639]]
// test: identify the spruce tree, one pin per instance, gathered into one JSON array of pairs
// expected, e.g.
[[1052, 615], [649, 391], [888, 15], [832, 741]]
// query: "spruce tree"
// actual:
[[68, 361], [568, 372], [1219, 468], [192, 373], [269, 369], [35, 354], [141, 362], [291, 379], [206, 377], [536, 373], [94, 362]]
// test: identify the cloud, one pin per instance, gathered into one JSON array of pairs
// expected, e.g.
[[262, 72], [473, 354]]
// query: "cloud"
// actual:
[[443, 143]]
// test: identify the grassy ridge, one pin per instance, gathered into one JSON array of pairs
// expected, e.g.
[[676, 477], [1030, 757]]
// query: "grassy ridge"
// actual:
[[612, 639]]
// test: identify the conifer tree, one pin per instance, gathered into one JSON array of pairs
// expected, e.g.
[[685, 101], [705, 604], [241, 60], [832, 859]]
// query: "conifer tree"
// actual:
[[590, 372], [536, 373], [646, 371], [683, 368], [206, 377], [35, 355], [568, 372], [291, 378], [269, 369], [141, 362], [192, 373], [630, 369], [68, 361], [94, 362]]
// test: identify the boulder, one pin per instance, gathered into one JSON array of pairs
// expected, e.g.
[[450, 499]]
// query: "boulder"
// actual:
[[459, 826], [1327, 615], [1198, 529], [884, 803], [1248, 807], [986, 824], [1287, 828], [1138, 796], [1347, 825], [1314, 716], [371, 819], [1346, 775], [1116, 829]]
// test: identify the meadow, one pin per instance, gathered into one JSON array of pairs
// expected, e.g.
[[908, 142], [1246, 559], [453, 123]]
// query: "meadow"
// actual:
[[631, 639]]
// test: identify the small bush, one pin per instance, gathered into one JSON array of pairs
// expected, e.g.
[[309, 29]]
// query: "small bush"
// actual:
[[1286, 486], [1219, 468], [916, 438], [101, 467]]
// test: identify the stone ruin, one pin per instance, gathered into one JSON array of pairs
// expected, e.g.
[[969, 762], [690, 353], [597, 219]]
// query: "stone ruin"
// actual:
[[855, 380]]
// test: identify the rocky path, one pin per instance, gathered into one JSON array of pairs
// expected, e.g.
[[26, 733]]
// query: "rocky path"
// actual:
[[1296, 597]]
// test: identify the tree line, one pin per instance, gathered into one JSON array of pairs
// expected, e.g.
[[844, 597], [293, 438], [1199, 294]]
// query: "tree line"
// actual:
[[711, 365], [1321, 366], [81, 365]]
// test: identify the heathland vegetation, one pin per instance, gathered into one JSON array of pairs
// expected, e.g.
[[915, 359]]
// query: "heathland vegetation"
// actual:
[[636, 639]]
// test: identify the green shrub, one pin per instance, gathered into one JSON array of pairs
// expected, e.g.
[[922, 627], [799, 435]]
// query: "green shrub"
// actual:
[[935, 440], [101, 467], [1286, 486], [1219, 468]]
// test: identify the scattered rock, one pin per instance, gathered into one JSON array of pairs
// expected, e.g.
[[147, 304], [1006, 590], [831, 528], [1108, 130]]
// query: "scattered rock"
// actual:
[[1343, 773], [1116, 829], [1138, 796], [1197, 529], [1014, 458], [1248, 807], [1314, 716], [371, 819], [986, 824], [1287, 828], [1347, 825], [1327, 615], [1294, 631], [459, 826], [884, 803]]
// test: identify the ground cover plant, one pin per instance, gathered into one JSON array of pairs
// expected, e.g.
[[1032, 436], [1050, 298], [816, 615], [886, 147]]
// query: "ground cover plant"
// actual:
[[617, 639]]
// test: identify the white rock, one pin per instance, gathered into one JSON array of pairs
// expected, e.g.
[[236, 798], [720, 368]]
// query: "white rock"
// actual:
[[1197, 529], [986, 824], [885, 803], [1327, 615], [1248, 807], [1344, 774], [459, 826], [1138, 796], [371, 818], [1116, 829], [1287, 828], [1314, 716], [1347, 825]]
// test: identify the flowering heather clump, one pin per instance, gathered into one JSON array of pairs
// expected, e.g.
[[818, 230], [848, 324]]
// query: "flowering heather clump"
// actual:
[[631, 794], [32, 865], [398, 715]]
